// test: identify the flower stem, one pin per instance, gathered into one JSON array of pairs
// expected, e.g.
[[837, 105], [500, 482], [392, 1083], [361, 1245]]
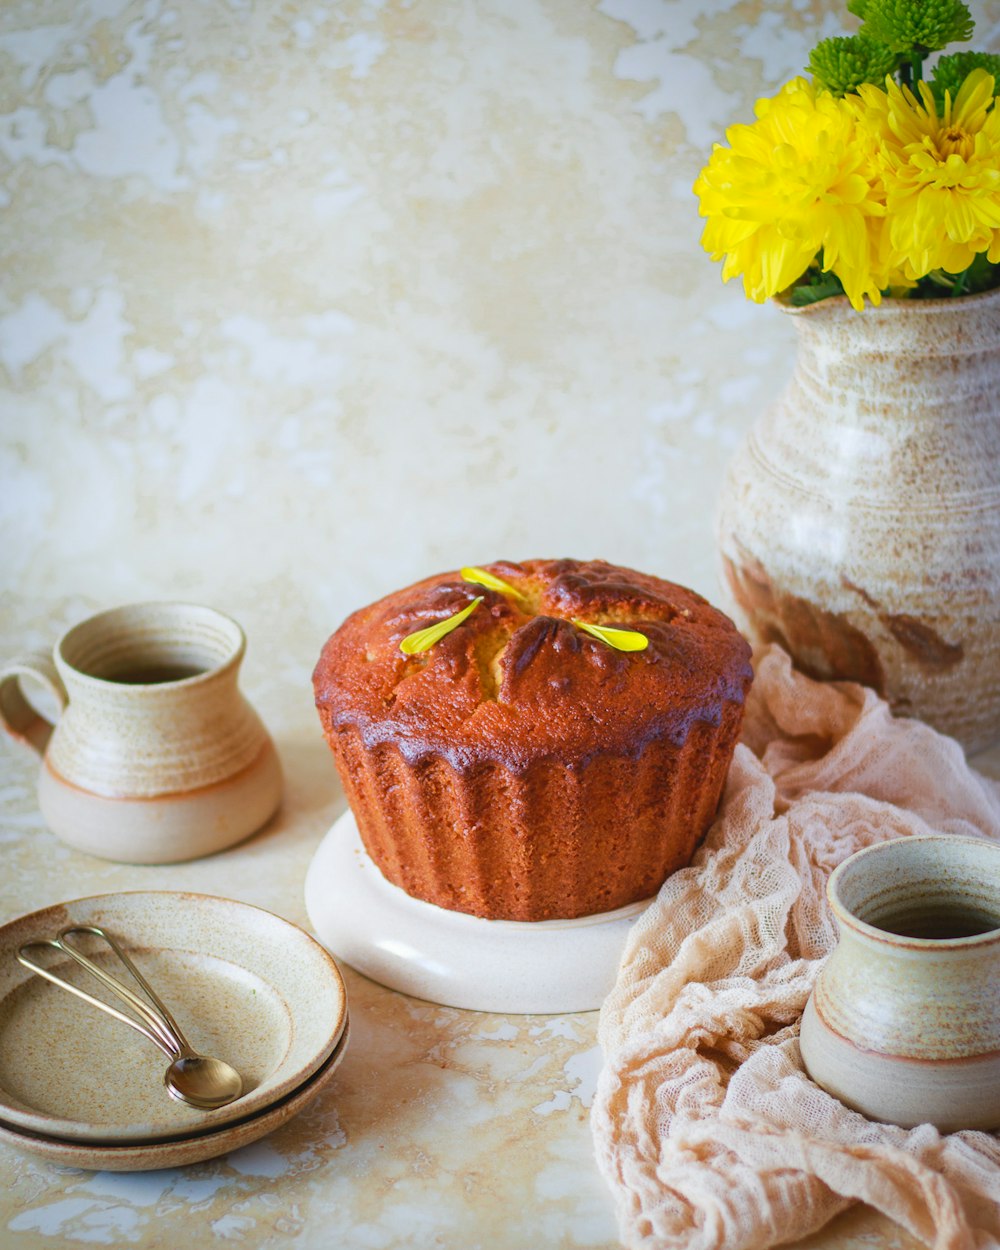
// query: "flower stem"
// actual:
[[959, 285]]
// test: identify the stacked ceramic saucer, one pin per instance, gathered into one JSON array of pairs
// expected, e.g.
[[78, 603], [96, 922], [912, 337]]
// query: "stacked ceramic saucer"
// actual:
[[80, 1088]]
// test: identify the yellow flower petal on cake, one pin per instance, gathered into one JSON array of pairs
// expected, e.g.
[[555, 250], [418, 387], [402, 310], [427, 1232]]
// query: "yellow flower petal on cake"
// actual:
[[620, 639], [482, 577], [424, 639]]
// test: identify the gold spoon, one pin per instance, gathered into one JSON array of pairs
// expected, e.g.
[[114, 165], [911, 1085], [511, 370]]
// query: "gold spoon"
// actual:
[[198, 1080]]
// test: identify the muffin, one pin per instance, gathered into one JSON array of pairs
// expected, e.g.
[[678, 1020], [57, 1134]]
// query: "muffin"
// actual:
[[522, 768]]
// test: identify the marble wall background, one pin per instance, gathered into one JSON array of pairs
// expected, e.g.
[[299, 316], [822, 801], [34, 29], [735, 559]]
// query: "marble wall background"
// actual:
[[303, 300]]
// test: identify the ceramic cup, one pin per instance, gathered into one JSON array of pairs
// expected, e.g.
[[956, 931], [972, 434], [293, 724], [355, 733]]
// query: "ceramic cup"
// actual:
[[152, 754], [903, 1024]]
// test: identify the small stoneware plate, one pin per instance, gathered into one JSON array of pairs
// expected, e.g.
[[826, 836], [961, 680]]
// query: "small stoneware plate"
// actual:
[[147, 1156], [243, 984]]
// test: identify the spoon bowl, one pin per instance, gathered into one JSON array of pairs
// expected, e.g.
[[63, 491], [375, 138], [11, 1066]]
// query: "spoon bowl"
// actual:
[[202, 1082]]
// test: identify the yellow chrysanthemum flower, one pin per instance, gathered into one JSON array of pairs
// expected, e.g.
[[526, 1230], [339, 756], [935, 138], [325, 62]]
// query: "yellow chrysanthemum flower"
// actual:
[[797, 181], [941, 174]]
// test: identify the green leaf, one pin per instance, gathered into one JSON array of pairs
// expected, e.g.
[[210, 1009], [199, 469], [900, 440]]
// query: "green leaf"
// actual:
[[917, 26], [952, 70], [480, 577], [620, 639], [820, 286], [980, 276], [424, 639], [842, 64], [940, 278]]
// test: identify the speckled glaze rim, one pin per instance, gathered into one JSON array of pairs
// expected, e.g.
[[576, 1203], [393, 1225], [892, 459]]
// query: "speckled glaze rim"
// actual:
[[317, 1019], [849, 920], [147, 1156], [889, 307], [127, 616]]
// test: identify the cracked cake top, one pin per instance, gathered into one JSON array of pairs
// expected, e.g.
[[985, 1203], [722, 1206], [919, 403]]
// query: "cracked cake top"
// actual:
[[517, 680]]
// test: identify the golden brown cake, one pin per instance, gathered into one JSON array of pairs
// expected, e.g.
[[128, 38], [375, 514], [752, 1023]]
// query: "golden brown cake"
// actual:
[[521, 768]]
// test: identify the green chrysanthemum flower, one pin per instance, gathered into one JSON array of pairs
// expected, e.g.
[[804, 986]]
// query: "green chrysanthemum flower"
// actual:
[[857, 7], [920, 26], [951, 71], [841, 64]]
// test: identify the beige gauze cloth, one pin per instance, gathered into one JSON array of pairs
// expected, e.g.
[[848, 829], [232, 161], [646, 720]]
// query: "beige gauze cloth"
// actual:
[[706, 1126]]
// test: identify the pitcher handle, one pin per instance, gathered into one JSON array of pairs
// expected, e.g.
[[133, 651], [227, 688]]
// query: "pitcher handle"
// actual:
[[17, 716]]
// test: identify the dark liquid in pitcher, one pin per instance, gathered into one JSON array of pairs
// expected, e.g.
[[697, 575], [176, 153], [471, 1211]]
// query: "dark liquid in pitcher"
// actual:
[[155, 674]]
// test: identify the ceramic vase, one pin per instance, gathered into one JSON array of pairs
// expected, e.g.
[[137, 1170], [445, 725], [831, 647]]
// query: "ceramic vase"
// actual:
[[903, 1024], [859, 524]]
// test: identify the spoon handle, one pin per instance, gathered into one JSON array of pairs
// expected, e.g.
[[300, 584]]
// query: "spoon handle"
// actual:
[[154, 1011], [159, 1026]]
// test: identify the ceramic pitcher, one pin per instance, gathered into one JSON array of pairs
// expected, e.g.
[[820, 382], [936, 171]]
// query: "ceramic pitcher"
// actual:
[[904, 1021], [151, 754]]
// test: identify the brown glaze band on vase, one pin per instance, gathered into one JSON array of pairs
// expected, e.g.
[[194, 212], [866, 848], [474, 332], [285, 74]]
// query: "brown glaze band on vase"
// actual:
[[859, 524]]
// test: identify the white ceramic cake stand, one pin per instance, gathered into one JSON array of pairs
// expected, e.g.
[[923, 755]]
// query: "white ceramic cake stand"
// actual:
[[550, 966]]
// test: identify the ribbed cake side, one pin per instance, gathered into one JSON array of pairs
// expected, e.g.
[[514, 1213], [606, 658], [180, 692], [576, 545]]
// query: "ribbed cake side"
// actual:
[[553, 841]]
